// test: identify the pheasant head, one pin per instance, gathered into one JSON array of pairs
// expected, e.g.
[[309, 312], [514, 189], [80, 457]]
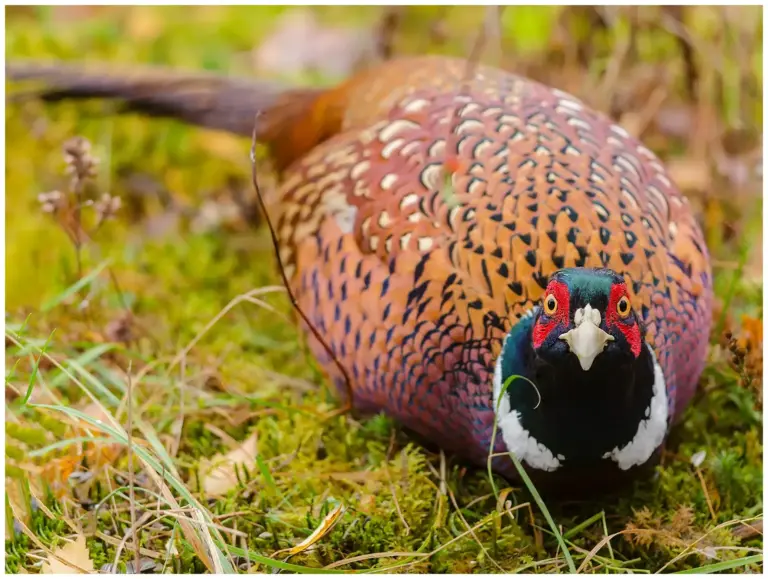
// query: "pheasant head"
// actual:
[[576, 384]]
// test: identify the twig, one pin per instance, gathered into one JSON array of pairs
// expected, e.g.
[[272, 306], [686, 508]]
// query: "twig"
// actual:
[[116, 543], [390, 22], [178, 423], [144, 520], [244, 546], [644, 118], [706, 493], [77, 189], [246, 297], [413, 555], [347, 381], [392, 486], [677, 14], [131, 474], [474, 536], [619, 55]]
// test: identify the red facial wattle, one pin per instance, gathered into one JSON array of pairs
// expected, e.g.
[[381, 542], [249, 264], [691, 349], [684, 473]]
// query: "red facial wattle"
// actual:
[[547, 323], [628, 327]]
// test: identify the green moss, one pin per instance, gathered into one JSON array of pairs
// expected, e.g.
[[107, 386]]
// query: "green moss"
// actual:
[[177, 278]]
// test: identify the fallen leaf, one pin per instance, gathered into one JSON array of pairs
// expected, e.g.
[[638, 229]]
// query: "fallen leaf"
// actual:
[[753, 331], [219, 471], [74, 556], [56, 472], [61, 472], [323, 529]]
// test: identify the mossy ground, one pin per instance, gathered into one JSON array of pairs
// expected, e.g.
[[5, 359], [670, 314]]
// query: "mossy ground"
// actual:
[[248, 373]]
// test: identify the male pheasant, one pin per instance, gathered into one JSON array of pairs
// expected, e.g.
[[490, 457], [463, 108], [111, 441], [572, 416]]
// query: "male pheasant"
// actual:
[[490, 260]]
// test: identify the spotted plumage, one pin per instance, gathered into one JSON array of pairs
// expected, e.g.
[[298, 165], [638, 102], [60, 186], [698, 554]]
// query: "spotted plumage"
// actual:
[[422, 218]]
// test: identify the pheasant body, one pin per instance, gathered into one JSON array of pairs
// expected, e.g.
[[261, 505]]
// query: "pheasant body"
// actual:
[[422, 221]]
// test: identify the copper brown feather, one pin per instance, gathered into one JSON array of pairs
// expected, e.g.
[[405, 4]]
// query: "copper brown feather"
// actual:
[[415, 280]]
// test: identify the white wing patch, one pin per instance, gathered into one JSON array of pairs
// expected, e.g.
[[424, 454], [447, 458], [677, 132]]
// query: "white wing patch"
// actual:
[[651, 431], [517, 439]]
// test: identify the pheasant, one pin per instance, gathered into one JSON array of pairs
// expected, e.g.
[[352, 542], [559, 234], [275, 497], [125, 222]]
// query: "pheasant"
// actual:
[[494, 264]]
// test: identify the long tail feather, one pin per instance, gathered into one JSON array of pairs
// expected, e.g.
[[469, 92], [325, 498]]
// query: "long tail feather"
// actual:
[[204, 99]]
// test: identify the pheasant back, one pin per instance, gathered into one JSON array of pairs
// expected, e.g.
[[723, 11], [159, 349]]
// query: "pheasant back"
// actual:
[[421, 232], [421, 214]]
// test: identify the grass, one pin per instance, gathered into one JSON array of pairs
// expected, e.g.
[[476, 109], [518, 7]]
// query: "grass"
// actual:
[[172, 344]]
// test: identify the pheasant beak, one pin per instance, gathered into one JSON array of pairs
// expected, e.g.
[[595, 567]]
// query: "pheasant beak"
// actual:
[[586, 339]]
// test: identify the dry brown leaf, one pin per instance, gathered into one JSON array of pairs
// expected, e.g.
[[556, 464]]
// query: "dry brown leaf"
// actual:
[[752, 329], [55, 472], [74, 556], [219, 471], [322, 530]]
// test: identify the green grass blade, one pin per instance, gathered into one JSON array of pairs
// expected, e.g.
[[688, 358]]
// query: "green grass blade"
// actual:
[[724, 565], [581, 526], [266, 474], [75, 287], [157, 446], [64, 443], [526, 479], [731, 291], [122, 438], [540, 502], [99, 388], [17, 328], [110, 377], [279, 564], [35, 367], [183, 492]]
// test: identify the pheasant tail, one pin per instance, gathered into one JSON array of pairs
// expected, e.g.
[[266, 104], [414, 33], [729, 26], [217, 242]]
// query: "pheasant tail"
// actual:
[[204, 99]]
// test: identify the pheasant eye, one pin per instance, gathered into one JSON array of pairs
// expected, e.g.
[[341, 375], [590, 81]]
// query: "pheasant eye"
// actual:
[[550, 305], [622, 307]]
